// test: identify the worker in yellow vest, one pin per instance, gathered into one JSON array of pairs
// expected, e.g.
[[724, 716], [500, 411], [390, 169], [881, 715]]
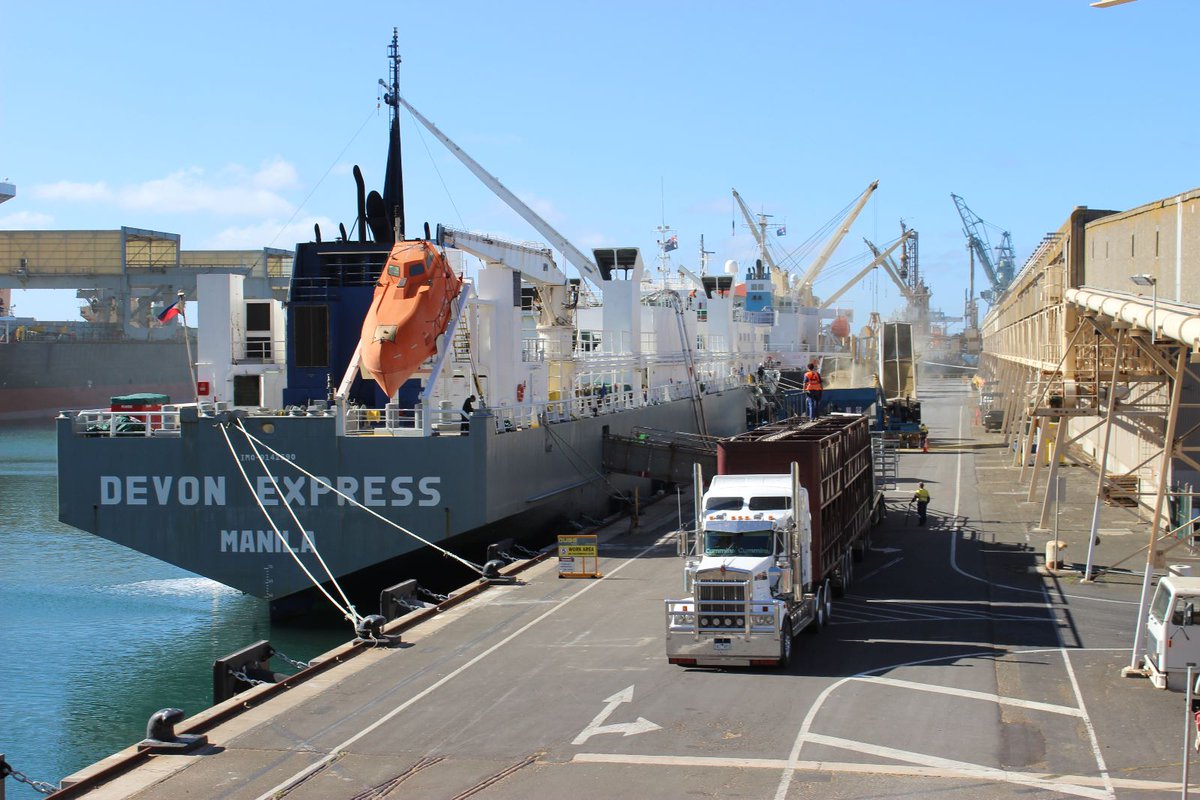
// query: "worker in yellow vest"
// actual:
[[921, 498]]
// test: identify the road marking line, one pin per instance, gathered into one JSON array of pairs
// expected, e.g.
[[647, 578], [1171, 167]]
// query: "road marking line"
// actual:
[[1087, 722], [962, 767], [333, 752], [971, 694], [908, 770]]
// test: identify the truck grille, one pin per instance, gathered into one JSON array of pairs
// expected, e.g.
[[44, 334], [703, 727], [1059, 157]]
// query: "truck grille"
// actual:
[[721, 605]]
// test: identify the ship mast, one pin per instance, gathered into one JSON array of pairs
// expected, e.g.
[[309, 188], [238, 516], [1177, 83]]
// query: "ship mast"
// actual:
[[393, 179]]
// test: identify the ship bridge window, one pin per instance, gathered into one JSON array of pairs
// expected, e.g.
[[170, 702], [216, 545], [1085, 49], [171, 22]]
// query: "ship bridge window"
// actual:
[[737, 544], [770, 503], [723, 504]]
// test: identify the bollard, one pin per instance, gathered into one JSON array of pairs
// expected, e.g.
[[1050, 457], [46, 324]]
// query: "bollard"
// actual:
[[369, 630], [1053, 548], [161, 736]]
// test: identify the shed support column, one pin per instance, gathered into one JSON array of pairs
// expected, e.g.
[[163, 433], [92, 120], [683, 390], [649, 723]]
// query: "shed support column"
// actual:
[[1060, 439], [1103, 460], [1159, 497]]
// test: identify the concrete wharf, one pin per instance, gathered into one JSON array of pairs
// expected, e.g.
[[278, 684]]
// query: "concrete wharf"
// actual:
[[956, 666]]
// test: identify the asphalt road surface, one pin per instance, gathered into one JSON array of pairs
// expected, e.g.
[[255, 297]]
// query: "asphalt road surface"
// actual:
[[952, 668]]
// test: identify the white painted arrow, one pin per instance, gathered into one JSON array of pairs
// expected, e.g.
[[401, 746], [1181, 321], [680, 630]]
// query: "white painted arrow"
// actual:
[[595, 727]]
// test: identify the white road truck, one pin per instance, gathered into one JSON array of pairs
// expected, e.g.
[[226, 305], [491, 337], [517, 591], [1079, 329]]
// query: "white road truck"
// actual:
[[1173, 631], [772, 548]]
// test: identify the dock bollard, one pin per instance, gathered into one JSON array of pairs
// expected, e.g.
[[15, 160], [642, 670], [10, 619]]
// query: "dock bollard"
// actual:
[[1053, 548], [161, 737]]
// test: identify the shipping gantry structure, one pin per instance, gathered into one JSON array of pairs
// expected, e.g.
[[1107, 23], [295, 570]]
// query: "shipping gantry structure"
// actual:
[[1094, 351]]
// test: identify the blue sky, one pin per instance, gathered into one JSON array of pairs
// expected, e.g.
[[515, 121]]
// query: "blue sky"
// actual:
[[236, 125]]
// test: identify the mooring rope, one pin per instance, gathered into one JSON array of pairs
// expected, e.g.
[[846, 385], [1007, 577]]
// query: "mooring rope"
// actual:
[[262, 462], [468, 564], [249, 485]]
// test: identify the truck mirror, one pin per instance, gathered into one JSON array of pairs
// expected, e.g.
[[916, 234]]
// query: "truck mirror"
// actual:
[[1189, 613]]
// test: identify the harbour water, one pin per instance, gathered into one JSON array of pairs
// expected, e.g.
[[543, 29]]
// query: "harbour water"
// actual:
[[95, 637]]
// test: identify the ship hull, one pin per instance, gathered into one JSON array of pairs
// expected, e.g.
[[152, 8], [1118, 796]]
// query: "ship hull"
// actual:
[[183, 499], [40, 378]]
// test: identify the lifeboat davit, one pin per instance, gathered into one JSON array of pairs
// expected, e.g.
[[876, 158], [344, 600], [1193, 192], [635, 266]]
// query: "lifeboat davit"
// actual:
[[411, 308]]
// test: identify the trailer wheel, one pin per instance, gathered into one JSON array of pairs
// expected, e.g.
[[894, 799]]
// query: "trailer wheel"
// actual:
[[828, 604], [785, 645]]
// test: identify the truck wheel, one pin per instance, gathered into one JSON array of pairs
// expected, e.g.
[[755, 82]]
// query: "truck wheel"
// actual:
[[818, 618], [785, 645], [828, 604]]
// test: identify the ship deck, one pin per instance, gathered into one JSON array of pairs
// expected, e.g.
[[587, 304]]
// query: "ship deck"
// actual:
[[955, 666]]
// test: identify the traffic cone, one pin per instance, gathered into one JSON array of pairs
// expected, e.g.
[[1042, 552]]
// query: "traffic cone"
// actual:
[[925, 444]]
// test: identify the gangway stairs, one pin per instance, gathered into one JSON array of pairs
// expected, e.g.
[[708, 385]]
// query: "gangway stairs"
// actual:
[[884, 461], [659, 454]]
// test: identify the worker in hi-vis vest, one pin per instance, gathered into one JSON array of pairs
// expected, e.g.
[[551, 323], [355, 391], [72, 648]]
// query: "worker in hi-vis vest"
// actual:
[[812, 390], [921, 498]]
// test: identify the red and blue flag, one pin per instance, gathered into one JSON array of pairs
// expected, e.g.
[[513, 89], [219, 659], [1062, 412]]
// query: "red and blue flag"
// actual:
[[170, 312]]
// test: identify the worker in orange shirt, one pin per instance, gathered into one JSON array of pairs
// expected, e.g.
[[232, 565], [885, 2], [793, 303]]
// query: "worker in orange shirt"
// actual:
[[812, 390]]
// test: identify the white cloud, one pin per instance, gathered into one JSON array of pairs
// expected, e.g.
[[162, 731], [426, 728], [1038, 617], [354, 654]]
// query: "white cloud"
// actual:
[[270, 233], [233, 191], [277, 175], [26, 220], [73, 191]]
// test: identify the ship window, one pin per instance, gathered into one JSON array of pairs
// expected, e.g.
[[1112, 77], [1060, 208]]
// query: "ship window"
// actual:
[[723, 504], [311, 336], [737, 544], [415, 268], [770, 503], [258, 316], [247, 390], [394, 270]]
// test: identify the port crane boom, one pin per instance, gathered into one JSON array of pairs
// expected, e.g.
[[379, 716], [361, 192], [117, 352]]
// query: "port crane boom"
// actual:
[[999, 271], [819, 263], [759, 229], [880, 258], [587, 268]]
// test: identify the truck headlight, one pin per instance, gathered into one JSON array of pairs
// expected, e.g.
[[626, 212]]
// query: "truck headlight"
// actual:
[[704, 621], [684, 619], [758, 619]]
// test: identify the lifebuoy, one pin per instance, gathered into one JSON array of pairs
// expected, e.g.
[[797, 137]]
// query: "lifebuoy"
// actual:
[[520, 392]]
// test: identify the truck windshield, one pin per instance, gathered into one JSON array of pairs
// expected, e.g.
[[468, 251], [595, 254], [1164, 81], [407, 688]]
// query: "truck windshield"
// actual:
[[770, 503], [723, 504], [1160, 607], [737, 544]]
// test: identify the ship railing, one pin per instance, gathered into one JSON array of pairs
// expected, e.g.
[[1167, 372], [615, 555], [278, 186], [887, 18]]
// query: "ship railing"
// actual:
[[259, 350], [148, 423], [754, 317], [533, 350]]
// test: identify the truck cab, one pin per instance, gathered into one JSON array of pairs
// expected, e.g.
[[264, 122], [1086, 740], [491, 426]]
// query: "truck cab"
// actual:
[[745, 573], [1173, 631]]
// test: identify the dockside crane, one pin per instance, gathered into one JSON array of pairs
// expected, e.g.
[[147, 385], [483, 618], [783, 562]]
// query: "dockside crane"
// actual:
[[908, 281], [999, 270]]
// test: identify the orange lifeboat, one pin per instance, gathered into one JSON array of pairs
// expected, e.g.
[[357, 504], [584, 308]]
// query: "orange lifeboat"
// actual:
[[411, 308]]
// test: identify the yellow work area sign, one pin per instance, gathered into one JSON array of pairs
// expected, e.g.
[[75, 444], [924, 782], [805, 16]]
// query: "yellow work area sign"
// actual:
[[578, 556]]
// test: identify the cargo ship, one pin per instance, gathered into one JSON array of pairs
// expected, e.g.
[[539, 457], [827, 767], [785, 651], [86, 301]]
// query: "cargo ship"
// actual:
[[49, 366], [304, 465]]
